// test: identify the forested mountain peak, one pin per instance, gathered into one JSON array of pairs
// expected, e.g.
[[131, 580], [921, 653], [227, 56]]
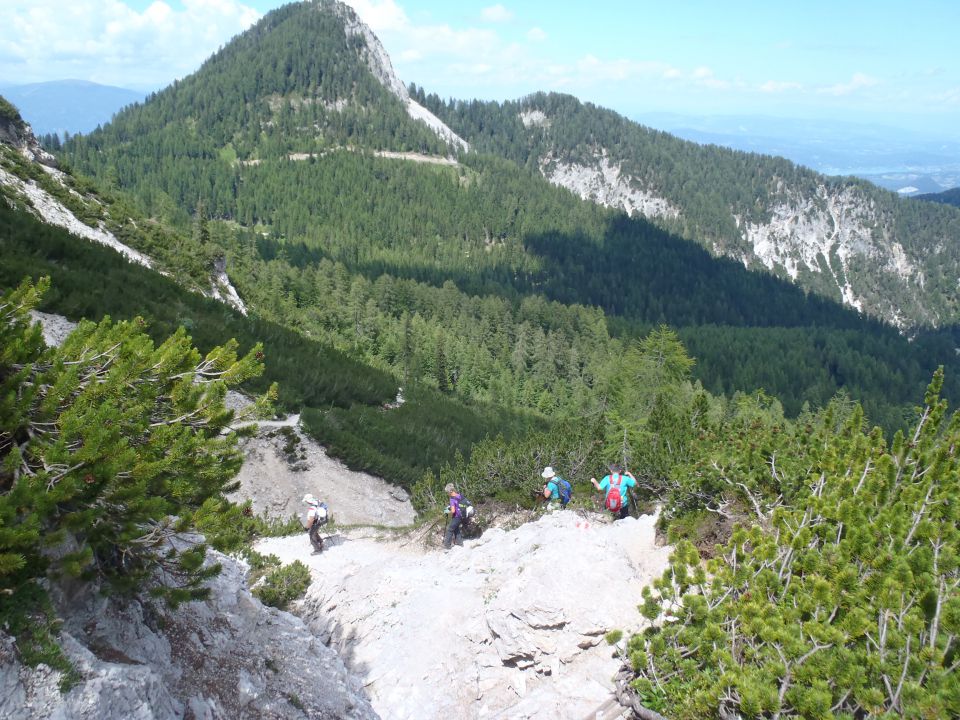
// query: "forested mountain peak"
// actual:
[[307, 78], [839, 237]]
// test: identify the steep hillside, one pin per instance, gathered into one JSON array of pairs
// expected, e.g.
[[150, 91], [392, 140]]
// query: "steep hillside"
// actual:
[[227, 656], [106, 259], [842, 238], [469, 274], [308, 78]]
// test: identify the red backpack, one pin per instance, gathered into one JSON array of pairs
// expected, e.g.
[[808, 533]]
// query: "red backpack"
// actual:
[[614, 500]]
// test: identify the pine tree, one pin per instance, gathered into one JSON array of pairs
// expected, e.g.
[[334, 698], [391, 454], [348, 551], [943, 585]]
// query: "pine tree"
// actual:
[[111, 442], [443, 379]]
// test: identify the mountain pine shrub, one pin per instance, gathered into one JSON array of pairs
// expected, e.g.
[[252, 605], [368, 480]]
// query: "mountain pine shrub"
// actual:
[[108, 446], [841, 600]]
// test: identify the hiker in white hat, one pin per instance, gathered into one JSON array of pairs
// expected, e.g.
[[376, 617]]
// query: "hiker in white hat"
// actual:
[[556, 491], [316, 518]]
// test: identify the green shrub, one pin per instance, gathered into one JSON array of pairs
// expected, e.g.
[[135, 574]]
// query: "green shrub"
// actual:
[[284, 585], [9, 112], [842, 597], [613, 637], [231, 527], [29, 617]]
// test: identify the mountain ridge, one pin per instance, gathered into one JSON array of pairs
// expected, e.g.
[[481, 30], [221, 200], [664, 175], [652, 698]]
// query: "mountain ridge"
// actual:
[[395, 241], [842, 238]]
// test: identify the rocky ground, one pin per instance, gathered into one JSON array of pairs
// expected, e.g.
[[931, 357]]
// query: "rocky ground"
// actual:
[[55, 328], [227, 657], [511, 625]]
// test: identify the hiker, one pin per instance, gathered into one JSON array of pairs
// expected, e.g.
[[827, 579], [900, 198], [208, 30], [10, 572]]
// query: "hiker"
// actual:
[[556, 491], [454, 531], [615, 486], [316, 518]]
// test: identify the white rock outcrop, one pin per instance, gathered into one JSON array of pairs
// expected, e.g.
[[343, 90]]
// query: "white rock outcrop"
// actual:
[[226, 657], [223, 290], [55, 328], [275, 481], [52, 211], [509, 626], [534, 118], [835, 233], [605, 184], [379, 63]]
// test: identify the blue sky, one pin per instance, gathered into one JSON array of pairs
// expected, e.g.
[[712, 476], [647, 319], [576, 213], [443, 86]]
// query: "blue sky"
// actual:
[[885, 62]]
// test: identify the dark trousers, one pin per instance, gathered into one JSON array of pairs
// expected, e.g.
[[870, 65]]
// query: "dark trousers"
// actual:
[[622, 513], [315, 538], [454, 532]]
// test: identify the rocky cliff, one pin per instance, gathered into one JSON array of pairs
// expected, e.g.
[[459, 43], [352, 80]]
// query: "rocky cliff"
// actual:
[[379, 63], [30, 176], [836, 241], [15, 133], [227, 657]]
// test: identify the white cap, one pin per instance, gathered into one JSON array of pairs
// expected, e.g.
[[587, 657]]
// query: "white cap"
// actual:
[[310, 499], [547, 473]]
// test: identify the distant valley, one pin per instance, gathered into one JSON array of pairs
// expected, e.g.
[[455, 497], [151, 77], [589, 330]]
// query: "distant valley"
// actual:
[[905, 161], [68, 106]]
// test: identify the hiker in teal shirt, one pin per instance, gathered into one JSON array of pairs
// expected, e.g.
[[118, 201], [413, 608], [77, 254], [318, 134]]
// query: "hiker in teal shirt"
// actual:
[[615, 487], [556, 491]]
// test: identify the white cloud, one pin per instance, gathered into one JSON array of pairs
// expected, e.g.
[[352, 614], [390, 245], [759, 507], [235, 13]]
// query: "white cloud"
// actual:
[[775, 86], [536, 34], [857, 82], [704, 76], [496, 13], [383, 16], [589, 66], [950, 96], [440, 48], [107, 41]]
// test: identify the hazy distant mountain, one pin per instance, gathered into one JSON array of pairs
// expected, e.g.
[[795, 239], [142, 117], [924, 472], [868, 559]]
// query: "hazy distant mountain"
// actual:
[[74, 106], [906, 161]]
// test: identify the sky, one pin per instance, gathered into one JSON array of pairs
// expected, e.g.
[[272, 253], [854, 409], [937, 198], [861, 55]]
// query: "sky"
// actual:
[[885, 62]]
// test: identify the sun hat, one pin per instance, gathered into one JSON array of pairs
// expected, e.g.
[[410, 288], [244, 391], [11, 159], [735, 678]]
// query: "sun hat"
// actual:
[[309, 499], [449, 488], [547, 473]]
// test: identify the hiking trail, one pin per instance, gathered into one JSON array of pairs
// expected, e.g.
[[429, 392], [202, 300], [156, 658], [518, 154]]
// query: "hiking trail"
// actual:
[[511, 625]]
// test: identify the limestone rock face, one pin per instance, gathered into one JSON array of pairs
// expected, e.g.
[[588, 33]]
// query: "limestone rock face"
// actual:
[[509, 626], [281, 467], [227, 657], [18, 135]]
